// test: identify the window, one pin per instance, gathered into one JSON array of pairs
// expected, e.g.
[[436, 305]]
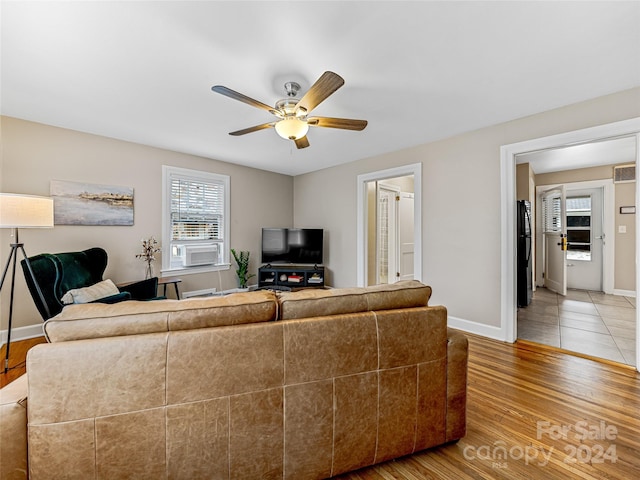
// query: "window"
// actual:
[[195, 220], [579, 228]]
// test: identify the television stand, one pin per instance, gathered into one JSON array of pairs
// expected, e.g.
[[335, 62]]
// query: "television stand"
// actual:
[[292, 276]]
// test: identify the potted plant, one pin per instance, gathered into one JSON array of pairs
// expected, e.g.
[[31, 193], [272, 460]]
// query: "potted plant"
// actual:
[[242, 259]]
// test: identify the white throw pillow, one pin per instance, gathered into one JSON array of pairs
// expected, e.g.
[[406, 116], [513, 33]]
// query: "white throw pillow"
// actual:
[[103, 289]]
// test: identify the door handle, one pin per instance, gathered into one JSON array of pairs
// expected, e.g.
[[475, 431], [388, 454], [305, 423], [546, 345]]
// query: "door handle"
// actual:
[[563, 244]]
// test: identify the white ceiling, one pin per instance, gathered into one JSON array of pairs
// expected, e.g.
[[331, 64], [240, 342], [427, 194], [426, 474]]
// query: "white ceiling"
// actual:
[[417, 71], [604, 152]]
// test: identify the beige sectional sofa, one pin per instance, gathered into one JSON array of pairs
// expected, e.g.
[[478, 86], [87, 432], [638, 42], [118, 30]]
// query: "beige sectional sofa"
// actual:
[[299, 385]]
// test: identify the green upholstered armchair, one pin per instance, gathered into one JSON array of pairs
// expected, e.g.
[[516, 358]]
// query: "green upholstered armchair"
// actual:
[[56, 274]]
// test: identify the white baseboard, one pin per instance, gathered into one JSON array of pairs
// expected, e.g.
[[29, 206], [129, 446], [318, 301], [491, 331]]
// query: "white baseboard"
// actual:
[[625, 293], [213, 292], [495, 333], [22, 333], [207, 292]]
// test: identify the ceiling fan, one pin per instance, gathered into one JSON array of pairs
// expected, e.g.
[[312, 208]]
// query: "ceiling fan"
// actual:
[[293, 120]]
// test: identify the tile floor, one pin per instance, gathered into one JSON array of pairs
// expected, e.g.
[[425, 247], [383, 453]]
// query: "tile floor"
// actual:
[[591, 323]]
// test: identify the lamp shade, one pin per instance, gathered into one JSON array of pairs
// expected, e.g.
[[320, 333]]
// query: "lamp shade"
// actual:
[[292, 128], [25, 211]]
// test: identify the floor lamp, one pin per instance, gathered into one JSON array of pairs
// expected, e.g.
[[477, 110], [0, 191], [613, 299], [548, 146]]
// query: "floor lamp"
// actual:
[[21, 211]]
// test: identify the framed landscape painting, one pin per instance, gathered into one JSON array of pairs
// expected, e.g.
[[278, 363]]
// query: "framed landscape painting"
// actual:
[[77, 203]]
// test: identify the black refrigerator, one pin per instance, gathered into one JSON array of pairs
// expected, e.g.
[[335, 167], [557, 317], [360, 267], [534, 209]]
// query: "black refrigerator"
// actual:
[[524, 271]]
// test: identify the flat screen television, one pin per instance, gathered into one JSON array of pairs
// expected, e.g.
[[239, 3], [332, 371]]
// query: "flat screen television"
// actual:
[[298, 246]]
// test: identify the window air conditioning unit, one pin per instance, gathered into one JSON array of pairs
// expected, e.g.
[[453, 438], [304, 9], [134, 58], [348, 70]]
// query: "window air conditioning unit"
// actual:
[[195, 255], [624, 173]]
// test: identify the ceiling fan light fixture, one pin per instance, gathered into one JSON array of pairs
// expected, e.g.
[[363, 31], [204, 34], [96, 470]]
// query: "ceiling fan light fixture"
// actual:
[[292, 113], [291, 128]]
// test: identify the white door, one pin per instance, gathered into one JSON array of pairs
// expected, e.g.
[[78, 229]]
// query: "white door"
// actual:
[[387, 234], [555, 236], [586, 239], [406, 228]]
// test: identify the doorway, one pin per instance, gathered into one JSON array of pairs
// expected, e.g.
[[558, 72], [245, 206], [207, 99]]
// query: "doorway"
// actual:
[[508, 155], [391, 230], [407, 233]]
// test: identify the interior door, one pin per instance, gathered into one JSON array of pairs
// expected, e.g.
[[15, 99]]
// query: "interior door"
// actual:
[[554, 230], [387, 233]]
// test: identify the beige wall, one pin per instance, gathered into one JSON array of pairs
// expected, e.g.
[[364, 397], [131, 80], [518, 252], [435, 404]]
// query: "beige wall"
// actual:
[[461, 203], [625, 278], [34, 154], [523, 180], [625, 243]]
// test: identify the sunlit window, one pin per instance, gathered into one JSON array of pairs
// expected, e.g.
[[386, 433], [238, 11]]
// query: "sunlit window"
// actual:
[[579, 228], [195, 220]]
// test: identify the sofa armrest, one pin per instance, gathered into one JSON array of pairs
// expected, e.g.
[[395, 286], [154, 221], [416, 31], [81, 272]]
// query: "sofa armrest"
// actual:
[[13, 430], [457, 358]]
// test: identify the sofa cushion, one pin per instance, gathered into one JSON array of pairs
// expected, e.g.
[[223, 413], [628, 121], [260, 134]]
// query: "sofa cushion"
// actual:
[[94, 320], [321, 302], [404, 294]]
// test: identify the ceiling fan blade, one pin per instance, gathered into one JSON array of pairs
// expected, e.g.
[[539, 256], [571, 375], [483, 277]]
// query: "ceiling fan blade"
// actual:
[[302, 142], [344, 123], [227, 92], [328, 83], [252, 129]]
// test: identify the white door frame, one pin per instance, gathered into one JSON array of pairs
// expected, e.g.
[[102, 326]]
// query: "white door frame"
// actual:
[[508, 202], [414, 169]]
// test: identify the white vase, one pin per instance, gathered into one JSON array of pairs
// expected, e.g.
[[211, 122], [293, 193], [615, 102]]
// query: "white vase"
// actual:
[[148, 271]]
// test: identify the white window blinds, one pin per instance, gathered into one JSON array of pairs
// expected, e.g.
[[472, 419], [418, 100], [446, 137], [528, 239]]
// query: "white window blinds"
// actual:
[[552, 212], [197, 209]]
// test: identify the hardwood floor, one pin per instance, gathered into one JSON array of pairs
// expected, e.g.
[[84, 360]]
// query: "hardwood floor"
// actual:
[[17, 356], [534, 412]]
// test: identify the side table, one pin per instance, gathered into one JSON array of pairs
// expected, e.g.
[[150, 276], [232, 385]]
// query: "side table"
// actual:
[[164, 281]]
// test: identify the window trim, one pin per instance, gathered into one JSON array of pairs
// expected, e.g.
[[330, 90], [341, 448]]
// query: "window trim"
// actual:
[[167, 172]]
